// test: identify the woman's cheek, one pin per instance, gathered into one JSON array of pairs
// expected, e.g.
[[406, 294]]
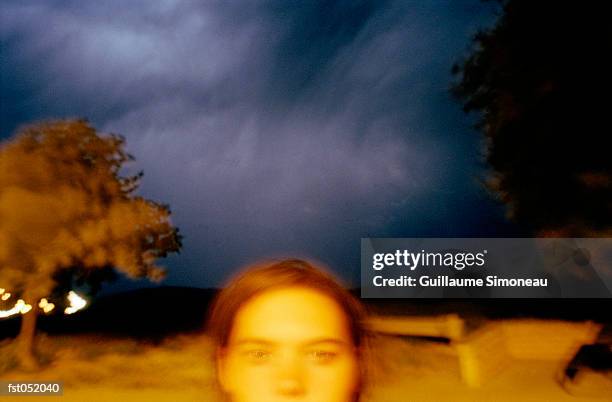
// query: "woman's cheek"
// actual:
[[245, 378], [342, 377]]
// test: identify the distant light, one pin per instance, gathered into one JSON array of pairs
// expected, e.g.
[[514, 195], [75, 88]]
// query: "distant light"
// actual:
[[15, 310], [25, 307], [45, 305], [21, 307], [76, 303]]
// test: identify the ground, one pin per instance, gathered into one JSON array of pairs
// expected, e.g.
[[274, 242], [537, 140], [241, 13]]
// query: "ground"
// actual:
[[96, 368]]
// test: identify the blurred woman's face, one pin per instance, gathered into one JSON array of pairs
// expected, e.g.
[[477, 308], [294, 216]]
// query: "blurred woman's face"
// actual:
[[290, 344]]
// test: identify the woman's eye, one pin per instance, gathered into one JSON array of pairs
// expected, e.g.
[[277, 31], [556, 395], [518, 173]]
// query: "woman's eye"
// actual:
[[322, 356], [258, 356]]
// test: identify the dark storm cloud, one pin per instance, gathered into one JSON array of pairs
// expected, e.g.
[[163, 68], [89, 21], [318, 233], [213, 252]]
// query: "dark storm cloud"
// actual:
[[271, 128]]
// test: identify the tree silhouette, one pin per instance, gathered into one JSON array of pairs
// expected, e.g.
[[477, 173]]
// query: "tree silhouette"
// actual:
[[541, 79], [65, 209]]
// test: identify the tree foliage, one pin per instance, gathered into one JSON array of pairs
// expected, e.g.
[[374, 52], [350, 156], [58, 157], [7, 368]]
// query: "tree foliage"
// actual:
[[540, 80], [65, 206]]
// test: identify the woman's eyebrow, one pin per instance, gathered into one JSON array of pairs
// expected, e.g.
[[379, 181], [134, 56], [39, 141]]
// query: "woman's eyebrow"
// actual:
[[253, 341], [332, 341], [308, 343]]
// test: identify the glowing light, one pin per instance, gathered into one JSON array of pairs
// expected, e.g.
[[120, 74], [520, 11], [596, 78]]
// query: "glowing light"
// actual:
[[15, 310], [25, 308], [19, 307], [45, 305], [76, 303]]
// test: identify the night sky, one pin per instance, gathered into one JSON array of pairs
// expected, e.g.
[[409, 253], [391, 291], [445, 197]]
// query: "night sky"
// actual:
[[277, 128]]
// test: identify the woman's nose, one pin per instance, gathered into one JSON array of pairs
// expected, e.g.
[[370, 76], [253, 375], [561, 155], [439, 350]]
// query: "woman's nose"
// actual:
[[290, 377], [291, 387]]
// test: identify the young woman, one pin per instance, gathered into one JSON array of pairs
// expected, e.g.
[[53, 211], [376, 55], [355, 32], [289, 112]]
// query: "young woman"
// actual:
[[287, 331]]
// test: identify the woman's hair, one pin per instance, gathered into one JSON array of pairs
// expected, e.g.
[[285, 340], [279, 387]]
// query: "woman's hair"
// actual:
[[260, 278], [283, 274]]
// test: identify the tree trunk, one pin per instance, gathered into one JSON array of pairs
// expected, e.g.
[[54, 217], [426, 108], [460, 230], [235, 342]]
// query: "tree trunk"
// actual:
[[26, 354]]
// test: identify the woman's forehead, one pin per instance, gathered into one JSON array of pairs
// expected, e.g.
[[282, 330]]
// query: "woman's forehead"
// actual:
[[292, 314]]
